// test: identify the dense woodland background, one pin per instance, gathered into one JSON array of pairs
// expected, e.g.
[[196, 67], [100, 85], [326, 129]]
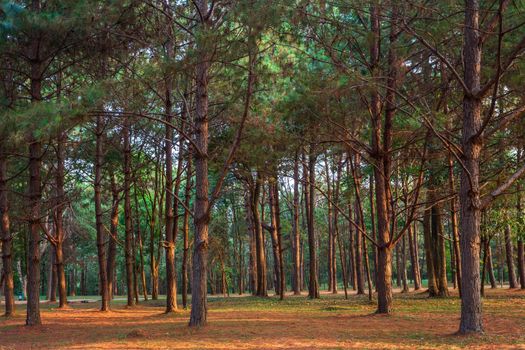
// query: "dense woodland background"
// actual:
[[261, 146]]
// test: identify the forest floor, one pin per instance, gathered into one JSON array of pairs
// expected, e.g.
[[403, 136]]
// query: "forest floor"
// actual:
[[254, 323]]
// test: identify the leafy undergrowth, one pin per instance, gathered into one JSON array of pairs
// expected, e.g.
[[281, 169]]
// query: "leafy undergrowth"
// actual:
[[268, 323]]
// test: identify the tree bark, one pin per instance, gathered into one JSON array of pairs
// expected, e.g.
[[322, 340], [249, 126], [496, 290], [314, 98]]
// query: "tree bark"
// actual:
[[414, 259], [101, 237], [58, 219], [431, 271], [259, 238], [509, 250], [113, 231], [469, 193], [128, 243], [454, 223], [186, 233], [296, 238], [313, 286], [199, 306], [6, 239]]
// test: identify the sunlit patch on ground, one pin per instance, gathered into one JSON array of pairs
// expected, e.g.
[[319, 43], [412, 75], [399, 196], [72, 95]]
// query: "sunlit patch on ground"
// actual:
[[254, 323]]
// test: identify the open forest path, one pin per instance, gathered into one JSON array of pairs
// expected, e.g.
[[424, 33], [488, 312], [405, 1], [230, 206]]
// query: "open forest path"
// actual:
[[267, 323]]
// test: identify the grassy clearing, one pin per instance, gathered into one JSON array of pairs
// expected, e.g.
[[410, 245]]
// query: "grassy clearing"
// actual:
[[267, 323]]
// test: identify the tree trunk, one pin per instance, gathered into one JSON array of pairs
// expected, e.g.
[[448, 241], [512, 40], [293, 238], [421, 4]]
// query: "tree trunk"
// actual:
[[427, 231], [490, 266], [52, 279], [509, 250], [6, 239], [128, 243], [454, 224], [199, 306], [34, 196], [521, 264], [113, 231], [259, 238], [404, 265], [101, 237], [439, 254], [59, 221], [186, 233], [276, 226], [469, 193], [313, 286], [414, 259], [141, 268], [296, 237]]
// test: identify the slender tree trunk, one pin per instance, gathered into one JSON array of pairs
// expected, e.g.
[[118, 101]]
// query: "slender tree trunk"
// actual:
[[52, 279], [296, 237], [521, 264], [404, 265], [248, 198], [427, 231], [454, 223], [439, 254], [113, 231], [6, 239], [330, 249], [490, 266], [414, 259], [276, 226], [521, 257], [101, 237], [128, 243], [509, 250], [274, 238], [186, 233], [141, 250], [313, 286], [59, 221], [259, 238]]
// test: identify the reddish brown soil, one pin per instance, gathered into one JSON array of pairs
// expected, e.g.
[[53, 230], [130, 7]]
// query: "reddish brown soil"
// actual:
[[249, 323]]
